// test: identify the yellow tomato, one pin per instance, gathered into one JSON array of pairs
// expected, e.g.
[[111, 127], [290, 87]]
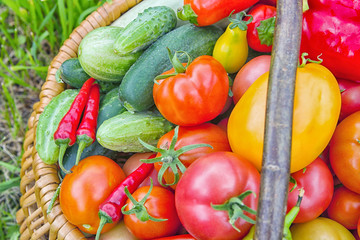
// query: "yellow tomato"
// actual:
[[317, 104], [320, 228], [231, 49]]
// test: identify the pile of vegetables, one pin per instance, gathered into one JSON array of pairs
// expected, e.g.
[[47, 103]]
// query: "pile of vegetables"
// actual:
[[160, 135]]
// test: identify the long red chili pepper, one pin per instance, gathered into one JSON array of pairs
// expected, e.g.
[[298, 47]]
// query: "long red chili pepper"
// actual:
[[110, 209], [85, 134], [65, 135]]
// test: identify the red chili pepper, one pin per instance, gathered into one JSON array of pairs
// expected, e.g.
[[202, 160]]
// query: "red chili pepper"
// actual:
[[260, 33], [110, 209], [332, 28], [85, 134], [65, 135], [207, 12]]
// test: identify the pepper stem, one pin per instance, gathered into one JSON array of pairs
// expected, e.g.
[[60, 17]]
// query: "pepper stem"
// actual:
[[62, 150], [170, 157], [103, 220], [139, 209], [186, 13], [236, 208]]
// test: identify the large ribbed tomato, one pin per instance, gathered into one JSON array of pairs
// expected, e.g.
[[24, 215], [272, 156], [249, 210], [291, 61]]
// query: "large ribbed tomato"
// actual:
[[316, 111]]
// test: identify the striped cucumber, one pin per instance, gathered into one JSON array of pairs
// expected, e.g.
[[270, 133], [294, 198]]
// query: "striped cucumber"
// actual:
[[48, 122], [145, 29], [136, 87], [121, 132]]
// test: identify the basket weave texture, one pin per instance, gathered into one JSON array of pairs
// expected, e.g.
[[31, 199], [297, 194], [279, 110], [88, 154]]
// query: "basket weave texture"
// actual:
[[39, 181]]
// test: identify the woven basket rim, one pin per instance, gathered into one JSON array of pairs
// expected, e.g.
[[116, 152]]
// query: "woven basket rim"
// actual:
[[39, 180]]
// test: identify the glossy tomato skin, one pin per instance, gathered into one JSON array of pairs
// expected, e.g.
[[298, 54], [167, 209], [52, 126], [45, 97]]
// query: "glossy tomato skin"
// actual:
[[159, 204], [214, 179], [317, 181], [251, 71], [196, 96], [350, 97], [320, 228], [317, 105], [207, 133], [345, 151], [345, 207], [83, 190], [259, 12]]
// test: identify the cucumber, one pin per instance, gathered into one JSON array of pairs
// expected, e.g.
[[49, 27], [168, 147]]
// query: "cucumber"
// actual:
[[71, 73], [110, 106], [98, 59], [48, 122], [121, 132], [148, 26], [135, 90]]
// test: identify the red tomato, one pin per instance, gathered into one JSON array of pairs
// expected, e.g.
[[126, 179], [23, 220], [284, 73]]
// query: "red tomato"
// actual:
[[268, 2], [350, 97], [317, 181], [214, 179], [223, 123], [345, 207], [193, 97], [134, 162], [259, 33], [159, 204], [345, 152], [251, 71], [83, 190], [207, 133]]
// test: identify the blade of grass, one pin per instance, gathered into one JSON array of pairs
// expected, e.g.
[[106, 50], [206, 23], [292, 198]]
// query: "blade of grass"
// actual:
[[19, 11], [62, 15], [36, 68], [33, 22], [47, 18], [10, 167], [14, 182], [70, 16]]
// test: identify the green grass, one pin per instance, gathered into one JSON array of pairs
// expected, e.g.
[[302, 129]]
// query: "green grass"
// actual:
[[31, 32]]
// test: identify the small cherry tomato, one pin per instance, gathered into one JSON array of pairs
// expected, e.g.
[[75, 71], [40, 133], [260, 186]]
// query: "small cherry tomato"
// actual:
[[317, 181], [260, 33], [345, 152], [159, 204], [345, 207], [251, 71], [85, 188], [231, 49]]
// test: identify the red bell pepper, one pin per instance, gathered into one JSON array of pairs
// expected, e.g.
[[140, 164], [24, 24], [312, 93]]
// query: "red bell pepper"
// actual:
[[332, 28], [207, 12]]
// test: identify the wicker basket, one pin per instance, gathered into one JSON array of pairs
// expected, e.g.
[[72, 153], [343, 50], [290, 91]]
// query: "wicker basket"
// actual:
[[39, 180]]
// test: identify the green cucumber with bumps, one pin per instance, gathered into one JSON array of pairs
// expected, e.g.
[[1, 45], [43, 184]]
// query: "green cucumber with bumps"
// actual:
[[121, 132], [145, 29], [48, 122], [71, 73], [135, 90], [98, 58]]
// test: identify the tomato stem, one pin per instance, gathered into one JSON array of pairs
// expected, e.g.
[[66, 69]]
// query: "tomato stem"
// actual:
[[305, 60], [239, 22], [186, 13], [170, 157], [139, 209], [236, 208]]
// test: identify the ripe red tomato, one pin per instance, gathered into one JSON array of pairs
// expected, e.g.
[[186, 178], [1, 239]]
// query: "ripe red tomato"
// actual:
[[251, 71], [345, 151], [317, 181], [350, 97], [214, 179], [207, 133], [178, 237], [83, 190], [193, 97], [345, 207], [260, 31], [159, 204]]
